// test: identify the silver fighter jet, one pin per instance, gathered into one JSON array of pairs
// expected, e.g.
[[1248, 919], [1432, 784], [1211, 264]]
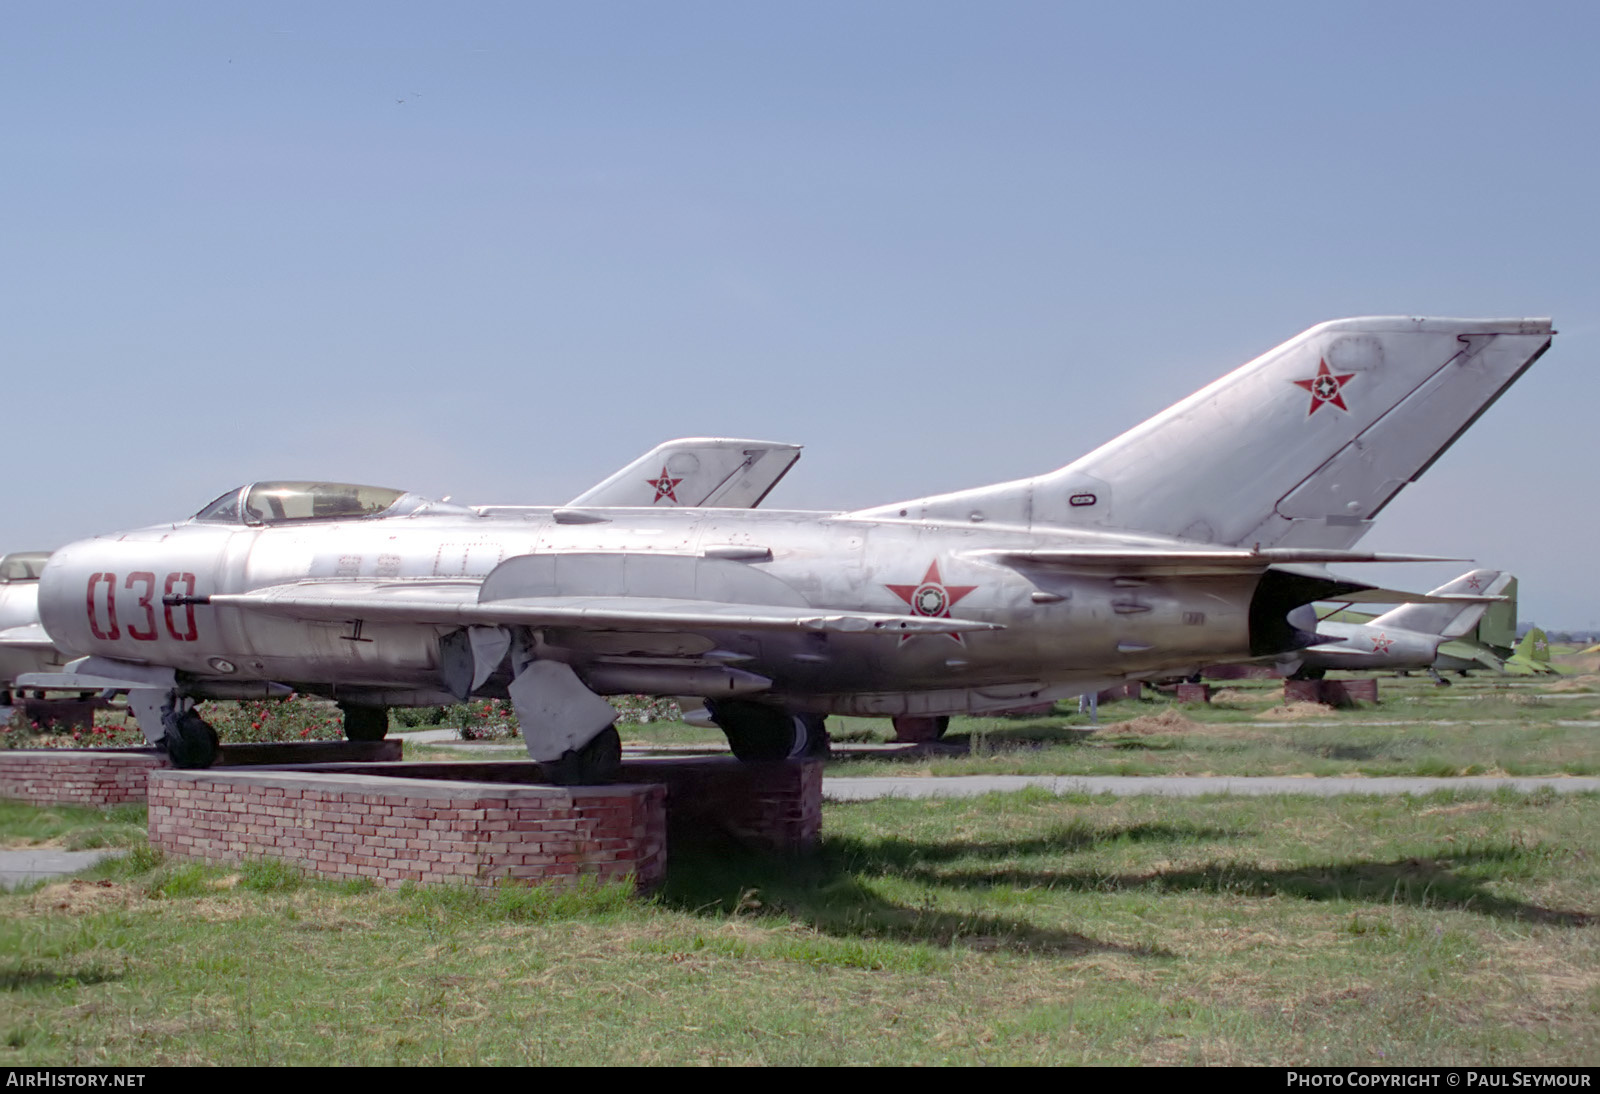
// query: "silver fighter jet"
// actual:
[[1195, 538], [1409, 637]]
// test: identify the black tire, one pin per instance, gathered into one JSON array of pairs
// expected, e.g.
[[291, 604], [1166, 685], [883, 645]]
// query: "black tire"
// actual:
[[190, 742], [596, 763], [365, 723], [758, 733]]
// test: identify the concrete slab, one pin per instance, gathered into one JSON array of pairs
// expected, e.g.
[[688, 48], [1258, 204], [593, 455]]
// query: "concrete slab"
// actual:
[[1173, 786], [20, 867]]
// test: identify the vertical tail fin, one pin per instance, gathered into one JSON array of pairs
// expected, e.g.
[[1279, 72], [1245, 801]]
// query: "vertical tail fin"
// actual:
[[1299, 448], [1449, 620], [1498, 627], [1535, 648]]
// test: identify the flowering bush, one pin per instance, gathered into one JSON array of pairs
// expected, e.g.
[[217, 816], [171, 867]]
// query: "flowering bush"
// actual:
[[111, 729], [301, 718], [295, 719]]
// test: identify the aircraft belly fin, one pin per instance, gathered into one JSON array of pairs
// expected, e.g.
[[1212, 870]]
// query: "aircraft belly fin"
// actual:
[[556, 711]]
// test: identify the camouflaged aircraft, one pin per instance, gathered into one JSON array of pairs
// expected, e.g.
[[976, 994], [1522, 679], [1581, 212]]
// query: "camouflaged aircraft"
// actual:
[[1199, 536]]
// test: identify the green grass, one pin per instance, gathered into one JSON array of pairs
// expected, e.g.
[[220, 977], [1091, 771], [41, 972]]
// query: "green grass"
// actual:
[[70, 828], [1022, 928], [1482, 725]]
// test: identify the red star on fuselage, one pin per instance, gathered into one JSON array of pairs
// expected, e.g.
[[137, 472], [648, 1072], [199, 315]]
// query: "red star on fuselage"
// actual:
[[1382, 643], [931, 597], [1325, 387], [665, 487]]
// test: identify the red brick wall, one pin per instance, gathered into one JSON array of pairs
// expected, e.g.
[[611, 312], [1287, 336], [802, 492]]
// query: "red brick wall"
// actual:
[[101, 777], [398, 830], [77, 777], [774, 807], [1335, 693]]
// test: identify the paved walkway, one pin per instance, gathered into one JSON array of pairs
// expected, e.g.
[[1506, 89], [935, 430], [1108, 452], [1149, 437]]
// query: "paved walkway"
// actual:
[[865, 788], [21, 867]]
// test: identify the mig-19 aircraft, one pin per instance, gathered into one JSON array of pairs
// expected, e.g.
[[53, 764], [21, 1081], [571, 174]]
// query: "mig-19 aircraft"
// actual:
[[1408, 637], [1198, 537]]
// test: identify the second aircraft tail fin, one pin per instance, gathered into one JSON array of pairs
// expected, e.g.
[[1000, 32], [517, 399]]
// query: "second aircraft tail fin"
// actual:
[[1450, 620]]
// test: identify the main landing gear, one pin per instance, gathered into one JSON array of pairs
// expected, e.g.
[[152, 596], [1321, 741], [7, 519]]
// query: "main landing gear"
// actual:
[[598, 762], [758, 732], [365, 723]]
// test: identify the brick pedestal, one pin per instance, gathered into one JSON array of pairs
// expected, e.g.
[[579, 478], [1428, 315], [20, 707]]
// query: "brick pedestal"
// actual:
[[909, 730], [1194, 693], [1133, 689], [92, 777], [110, 776], [392, 831], [772, 807], [478, 823], [1333, 693]]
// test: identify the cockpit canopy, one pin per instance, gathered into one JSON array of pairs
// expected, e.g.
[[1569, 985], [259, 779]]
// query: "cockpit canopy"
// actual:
[[22, 566], [282, 502]]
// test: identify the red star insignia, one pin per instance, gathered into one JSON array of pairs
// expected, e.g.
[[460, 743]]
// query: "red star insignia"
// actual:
[[931, 597], [1475, 583], [665, 487], [1325, 387], [1381, 643]]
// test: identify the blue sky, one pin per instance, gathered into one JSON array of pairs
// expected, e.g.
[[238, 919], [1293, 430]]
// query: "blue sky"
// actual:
[[496, 250]]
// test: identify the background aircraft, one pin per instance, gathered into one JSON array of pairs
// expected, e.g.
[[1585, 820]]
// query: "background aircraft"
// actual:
[[1407, 637], [1531, 657], [24, 645], [1196, 537]]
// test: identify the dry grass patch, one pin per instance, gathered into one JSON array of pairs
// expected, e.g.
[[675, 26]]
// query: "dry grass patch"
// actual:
[[79, 898], [1296, 712], [1237, 697], [1167, 722]]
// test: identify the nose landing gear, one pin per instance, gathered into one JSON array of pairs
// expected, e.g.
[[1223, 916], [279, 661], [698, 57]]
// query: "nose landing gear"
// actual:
[[190, 740]]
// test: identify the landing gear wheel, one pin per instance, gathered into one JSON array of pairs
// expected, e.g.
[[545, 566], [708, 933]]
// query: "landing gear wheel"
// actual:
[[1309, 674], [365, 723], [759, 733], [599, 761], [190, 741]]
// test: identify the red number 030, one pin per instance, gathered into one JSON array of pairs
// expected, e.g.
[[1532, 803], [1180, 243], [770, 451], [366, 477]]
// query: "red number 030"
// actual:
[[141, 586]]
